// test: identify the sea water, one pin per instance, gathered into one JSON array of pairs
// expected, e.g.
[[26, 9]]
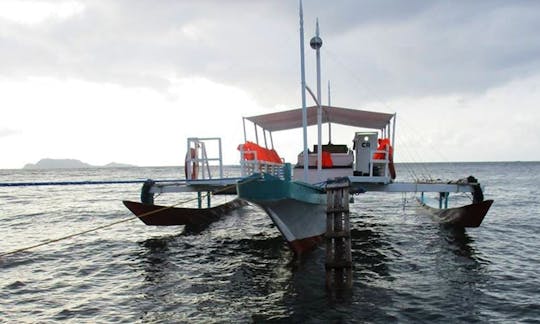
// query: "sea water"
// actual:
[[406, 268]]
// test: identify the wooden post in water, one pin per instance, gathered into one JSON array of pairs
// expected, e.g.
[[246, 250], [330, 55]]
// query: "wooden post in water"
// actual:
[[338, 235]]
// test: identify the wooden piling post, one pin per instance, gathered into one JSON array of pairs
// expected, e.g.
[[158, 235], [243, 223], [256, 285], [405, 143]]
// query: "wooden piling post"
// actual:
[[338, 235]]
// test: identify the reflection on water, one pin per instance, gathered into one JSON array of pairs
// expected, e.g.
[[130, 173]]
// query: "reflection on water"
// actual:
[[239, 269], [260, 273], [458, 241], [459, 273], [224, 276], [154, 257]]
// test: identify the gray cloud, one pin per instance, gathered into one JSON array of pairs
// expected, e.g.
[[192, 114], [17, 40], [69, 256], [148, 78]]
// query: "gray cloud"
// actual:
[[372, 49]]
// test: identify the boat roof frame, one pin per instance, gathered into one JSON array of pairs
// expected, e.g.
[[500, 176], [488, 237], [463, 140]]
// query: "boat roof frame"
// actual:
[[292, 119]]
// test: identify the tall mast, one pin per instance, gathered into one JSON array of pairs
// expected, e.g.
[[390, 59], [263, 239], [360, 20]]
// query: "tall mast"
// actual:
[[303, 91], [316, 43]]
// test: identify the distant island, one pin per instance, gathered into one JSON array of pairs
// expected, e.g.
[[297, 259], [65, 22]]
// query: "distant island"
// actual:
[[70, 164]]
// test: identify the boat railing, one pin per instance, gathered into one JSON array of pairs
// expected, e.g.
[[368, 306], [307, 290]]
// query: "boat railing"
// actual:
[[198, 160], [251, 166], [379, 167]]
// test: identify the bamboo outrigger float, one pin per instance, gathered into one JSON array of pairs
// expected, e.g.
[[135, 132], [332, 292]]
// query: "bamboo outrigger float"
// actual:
[[465, 216], [193, 218]]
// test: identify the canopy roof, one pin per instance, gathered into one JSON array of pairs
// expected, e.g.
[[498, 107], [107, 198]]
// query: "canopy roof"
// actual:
[[291, 119]]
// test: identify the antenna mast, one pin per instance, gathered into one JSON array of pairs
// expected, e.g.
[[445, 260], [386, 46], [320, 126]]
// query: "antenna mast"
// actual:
[[303, 91], [316, 43]]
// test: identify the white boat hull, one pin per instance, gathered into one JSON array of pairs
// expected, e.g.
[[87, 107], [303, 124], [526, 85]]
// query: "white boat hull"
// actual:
[[298, 209], [301, 224]]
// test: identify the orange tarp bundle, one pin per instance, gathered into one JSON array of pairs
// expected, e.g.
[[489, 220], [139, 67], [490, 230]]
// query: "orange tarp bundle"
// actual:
[[263, 154]]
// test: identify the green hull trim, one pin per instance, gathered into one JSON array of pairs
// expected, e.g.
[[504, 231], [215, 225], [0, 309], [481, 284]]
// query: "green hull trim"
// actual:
[[265, 187]]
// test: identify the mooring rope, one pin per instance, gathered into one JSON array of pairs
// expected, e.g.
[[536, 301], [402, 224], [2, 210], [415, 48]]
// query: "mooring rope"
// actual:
[[117, 222], [78, 183]]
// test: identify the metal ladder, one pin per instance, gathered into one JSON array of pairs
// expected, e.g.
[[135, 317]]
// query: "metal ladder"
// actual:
[[338, 235]]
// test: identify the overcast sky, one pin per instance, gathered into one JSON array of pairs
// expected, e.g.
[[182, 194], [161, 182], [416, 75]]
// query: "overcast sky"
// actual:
[[129, 81]]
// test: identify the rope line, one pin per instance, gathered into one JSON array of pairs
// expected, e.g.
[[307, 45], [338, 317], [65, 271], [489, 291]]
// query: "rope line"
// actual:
[[209, 193], [335, 58], [76, 183], [423, 173]]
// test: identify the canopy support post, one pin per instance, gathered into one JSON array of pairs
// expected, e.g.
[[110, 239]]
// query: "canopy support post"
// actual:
[[244, 126], [329, 123], [256, 134], [394, 132]]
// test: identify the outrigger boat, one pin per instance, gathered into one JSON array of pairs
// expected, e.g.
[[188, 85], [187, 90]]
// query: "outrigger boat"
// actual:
[[297, 206], [294, 197]]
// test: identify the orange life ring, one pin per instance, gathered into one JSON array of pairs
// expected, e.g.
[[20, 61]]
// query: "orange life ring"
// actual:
[[194, 164]]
